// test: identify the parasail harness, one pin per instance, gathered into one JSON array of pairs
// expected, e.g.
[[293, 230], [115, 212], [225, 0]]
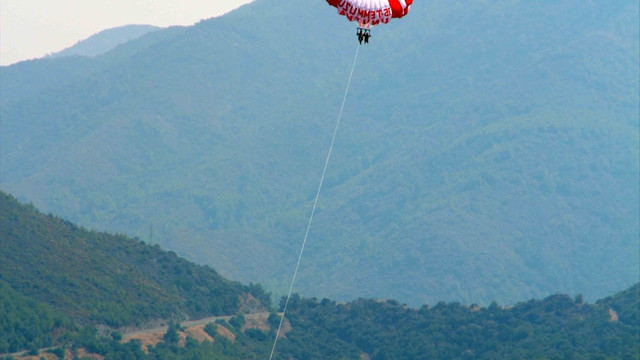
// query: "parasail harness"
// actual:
[[363, 34]]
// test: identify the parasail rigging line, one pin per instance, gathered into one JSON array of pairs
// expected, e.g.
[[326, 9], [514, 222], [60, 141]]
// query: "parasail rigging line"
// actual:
[[315, 203]]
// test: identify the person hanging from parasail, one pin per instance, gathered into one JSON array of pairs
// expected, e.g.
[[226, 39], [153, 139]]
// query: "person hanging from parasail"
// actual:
[[370, 13]]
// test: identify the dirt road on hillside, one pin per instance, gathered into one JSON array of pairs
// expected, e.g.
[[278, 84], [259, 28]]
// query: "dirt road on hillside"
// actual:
[[254, 318]]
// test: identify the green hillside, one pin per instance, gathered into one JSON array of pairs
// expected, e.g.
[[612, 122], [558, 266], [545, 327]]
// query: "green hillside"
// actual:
[[100, 279], [26, 323], [487, 151], [557, 327], [46, 302]]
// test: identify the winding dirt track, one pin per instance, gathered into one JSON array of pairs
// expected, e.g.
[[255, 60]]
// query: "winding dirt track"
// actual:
[[250, 318]]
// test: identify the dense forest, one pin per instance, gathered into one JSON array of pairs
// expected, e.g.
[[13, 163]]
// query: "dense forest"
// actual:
[[558, 327], [67, 290], [70, 274]]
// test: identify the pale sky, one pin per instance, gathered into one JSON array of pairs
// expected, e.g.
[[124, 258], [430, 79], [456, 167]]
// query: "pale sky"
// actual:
[[34, 28]]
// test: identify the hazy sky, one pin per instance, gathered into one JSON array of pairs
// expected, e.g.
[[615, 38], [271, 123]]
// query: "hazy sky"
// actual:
[[33, 28]]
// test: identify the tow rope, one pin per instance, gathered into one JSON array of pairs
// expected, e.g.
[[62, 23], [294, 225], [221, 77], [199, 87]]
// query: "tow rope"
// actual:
[[315, 203]]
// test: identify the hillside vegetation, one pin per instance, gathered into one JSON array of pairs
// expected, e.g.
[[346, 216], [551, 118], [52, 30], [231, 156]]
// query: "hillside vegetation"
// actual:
[[47, 303], [96, 278], [557, 327], [488, 150]]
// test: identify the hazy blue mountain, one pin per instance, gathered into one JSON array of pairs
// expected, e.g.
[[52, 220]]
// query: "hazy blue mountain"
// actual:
[[487, 150], [106, 40], [30, 78]]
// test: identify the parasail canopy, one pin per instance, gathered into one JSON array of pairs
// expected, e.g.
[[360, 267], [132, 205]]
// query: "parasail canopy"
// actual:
[[371, 12]]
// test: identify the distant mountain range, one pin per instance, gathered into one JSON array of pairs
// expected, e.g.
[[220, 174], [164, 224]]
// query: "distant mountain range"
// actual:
[[487, 150], [106, 40]]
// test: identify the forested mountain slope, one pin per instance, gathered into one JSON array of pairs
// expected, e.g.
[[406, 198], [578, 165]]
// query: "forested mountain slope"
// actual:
[[488, 150], [47, 302], [101, 279], [557, 327]]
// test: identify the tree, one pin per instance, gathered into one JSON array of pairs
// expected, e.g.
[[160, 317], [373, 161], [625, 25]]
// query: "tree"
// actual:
[[116, 336], [237, 321], [171, 336], [211, 329]]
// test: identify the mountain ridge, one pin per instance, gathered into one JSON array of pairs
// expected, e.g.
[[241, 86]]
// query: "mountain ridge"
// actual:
[[105, 40]]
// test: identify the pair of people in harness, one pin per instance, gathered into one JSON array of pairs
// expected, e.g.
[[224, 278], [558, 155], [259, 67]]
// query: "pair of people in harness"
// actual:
[[363, 34]]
